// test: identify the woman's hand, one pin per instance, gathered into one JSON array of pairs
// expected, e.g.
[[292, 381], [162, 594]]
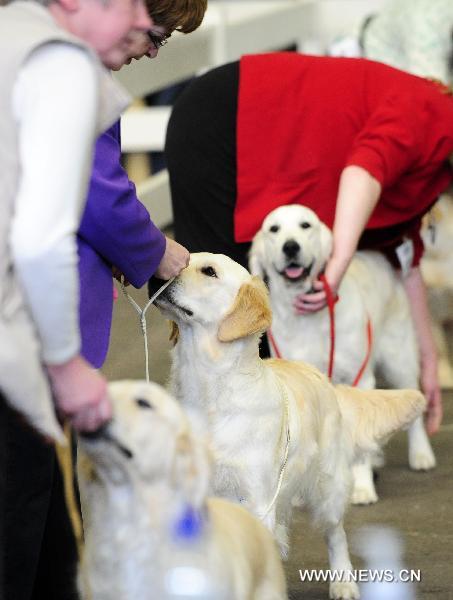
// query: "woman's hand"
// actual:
[[80, 394], [416, 293], [317, 300], [312, 302], [430, 386], [119, 276], [358, 194], [175, 259]]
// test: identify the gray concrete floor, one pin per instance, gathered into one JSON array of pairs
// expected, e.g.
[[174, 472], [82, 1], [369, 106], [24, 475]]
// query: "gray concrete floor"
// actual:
[[418, 505]]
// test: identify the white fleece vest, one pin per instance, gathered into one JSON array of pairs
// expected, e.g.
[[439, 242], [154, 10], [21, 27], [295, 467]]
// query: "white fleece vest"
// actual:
[[24, 26]]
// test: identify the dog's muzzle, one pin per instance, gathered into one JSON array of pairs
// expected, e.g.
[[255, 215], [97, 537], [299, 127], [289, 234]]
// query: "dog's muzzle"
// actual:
[[166, 300], [294, 272], [103, 434], [94, 435]]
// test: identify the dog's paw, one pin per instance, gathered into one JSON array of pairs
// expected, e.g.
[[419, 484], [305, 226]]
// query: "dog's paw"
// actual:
[[422, 460], [344, 590], [364, 495]]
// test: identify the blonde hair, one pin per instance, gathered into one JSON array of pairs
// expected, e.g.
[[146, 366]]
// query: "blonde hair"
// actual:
[[179, 15]]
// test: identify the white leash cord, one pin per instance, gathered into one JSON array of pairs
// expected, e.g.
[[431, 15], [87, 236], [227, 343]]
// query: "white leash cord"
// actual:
[[142, 314], [285, 458]]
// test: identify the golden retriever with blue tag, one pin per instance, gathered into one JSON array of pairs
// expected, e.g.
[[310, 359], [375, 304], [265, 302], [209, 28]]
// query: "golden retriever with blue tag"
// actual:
[[139, 477]]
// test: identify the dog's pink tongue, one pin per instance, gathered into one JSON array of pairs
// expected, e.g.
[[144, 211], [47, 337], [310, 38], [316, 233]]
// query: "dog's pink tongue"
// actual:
[[294, 272]]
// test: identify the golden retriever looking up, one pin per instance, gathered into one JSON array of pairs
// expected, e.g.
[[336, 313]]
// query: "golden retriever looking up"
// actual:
[[137, 476], [278, 429], [290, 250]]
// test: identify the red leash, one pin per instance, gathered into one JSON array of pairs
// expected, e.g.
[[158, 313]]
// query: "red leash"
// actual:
[[331, 300], [369, 333], [271, 338]]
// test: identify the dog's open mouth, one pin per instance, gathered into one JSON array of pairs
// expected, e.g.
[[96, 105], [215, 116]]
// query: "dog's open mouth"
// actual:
[[295, 272]]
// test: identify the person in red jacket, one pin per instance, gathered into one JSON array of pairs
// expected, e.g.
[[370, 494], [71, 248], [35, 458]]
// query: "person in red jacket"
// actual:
[[366, 146]]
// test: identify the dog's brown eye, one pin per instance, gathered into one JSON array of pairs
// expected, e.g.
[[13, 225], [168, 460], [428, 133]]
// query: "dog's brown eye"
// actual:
[[209, 271], [274, 228], [143, 403], [305, 225]]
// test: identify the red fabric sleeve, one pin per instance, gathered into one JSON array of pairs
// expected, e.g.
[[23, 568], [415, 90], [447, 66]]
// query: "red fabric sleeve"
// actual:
[[388, 144]]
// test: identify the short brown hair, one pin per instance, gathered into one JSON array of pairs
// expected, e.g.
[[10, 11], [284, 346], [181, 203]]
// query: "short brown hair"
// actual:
[[179, 15]]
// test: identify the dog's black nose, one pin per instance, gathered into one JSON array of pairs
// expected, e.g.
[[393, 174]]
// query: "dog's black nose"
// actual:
[[291, 248]]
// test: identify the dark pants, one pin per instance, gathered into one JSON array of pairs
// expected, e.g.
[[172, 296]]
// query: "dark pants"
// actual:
[[39, 548], [201, 158], [200, 151]]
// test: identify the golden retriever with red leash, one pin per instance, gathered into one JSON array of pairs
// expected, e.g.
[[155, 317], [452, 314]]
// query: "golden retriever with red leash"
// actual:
[[374, 330]]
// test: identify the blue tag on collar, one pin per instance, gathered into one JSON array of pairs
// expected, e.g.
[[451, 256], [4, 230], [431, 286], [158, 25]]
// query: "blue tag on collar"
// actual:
[[189, 526]]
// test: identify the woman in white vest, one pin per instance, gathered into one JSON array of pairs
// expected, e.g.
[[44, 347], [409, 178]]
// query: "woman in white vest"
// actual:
[[55, 98]]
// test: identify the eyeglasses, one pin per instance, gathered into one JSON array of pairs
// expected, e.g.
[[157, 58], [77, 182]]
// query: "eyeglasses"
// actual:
[[158, 40]]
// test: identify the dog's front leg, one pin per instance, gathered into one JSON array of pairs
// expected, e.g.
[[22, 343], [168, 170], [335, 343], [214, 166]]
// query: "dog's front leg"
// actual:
[[341, 586]]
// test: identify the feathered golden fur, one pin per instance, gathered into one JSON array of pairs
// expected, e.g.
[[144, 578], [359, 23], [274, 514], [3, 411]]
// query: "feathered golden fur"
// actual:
[[136, 478], [249, 408]]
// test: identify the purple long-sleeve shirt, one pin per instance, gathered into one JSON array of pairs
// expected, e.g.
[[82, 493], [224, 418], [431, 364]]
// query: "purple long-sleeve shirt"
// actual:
[[116, 229]]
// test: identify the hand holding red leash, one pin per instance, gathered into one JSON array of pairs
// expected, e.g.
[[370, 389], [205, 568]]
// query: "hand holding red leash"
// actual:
[[312, 302], [318, 299]]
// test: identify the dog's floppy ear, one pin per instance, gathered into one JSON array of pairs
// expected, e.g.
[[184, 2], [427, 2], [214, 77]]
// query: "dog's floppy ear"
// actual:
[[257, 256], [325, 247], [174, 333], [249, 314], [191, 468]]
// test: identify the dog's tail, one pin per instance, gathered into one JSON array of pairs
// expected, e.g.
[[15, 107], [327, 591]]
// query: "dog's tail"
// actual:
[[372, 416]]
